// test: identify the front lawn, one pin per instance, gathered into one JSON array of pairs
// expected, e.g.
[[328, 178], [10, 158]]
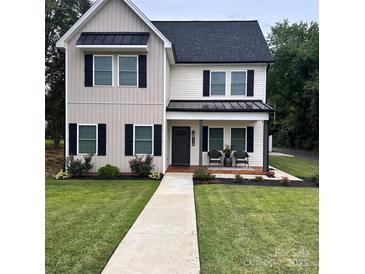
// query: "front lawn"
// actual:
[[86, 220], [296, 166], [248, 229]]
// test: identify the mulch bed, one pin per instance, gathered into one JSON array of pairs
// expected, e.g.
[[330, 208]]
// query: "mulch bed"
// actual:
[[54, 160], [248, 182]]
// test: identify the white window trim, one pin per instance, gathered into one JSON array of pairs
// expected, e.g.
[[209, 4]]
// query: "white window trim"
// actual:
[[225, 83], [230, 84], [209, 127], [134, 138], [230, 131], [127, 86], [78, 141], [103, 55]]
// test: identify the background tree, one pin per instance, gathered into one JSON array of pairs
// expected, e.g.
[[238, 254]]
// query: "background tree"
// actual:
[[293, 86], [60, 15]]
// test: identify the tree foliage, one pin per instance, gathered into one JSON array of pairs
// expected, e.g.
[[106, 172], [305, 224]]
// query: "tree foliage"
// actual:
[[293, 84], [60, 15]]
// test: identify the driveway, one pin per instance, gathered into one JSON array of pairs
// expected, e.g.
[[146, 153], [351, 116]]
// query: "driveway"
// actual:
[[163, 239]]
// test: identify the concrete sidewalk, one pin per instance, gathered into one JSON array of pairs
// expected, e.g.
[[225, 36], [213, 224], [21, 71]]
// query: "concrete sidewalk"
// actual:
[[164, 237]]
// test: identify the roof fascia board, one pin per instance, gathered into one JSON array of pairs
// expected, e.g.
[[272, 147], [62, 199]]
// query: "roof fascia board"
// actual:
[[99, 4]]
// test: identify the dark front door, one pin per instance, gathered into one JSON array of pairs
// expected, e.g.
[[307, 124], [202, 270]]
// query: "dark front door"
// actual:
[[181, 146]]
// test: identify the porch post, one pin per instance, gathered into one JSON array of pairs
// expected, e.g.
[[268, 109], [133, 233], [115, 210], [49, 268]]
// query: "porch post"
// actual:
[[200, 142], [266, 146]]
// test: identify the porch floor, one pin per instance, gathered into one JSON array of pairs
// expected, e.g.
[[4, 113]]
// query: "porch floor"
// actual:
[[252, 170]]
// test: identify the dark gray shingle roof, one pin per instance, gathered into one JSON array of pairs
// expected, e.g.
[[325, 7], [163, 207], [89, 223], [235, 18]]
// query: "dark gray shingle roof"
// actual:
[[219, 106], [113, 38], [216, 41]]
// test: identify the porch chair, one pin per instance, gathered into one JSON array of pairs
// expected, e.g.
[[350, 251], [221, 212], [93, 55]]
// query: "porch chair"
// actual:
[[241, 157], [215, 157]]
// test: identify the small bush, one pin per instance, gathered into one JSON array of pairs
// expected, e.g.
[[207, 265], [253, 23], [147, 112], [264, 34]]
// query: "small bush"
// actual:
[[285, 181], [238, 179], [315, 179], [140, 167], [203, 175], [78, 168], [259, 179], [108, 172], [155, 176], [62, 175]]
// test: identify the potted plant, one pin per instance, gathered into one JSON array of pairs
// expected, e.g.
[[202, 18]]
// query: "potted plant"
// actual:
[[227, 156]]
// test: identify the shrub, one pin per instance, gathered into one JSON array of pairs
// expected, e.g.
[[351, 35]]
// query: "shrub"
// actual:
[[140, 167], [259, 179], [285, 181], [238, 179], [155, 176], [315, 179], [108, 172], [62, 175], [77, 168], [203, 175], [227, 151]]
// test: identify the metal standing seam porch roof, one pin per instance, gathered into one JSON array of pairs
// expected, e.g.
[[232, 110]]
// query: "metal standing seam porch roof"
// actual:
[[113, 38], [219, 106]]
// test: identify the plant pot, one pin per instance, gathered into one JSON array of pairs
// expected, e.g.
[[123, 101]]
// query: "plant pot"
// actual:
[[227, 162]]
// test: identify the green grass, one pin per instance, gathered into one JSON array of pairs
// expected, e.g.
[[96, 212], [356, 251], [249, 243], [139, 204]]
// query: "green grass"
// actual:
[[49, 143], [86, 220], [295, 166], [248, 229]]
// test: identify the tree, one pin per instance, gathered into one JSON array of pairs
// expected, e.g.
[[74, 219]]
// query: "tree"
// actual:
[[60, 15], [293, 87]]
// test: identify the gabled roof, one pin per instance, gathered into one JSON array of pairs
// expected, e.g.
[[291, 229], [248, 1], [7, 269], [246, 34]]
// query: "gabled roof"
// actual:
[[219, 106], [216, 41], [94, 9]]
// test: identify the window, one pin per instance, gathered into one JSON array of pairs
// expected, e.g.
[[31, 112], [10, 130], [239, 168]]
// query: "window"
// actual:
[[143, 140], [128, 70], [216, 139], [238, 83], [87, 139], [218, 83], [238, 139], [103, 70]]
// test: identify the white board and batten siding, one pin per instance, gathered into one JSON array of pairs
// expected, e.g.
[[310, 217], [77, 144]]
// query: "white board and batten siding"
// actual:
[[186, 81], [116, 106]]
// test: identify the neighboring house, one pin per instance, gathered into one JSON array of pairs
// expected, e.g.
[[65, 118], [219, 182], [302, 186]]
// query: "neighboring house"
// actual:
[[172, 89]]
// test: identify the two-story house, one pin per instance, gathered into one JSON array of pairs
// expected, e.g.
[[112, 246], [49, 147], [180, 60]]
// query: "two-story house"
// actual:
[[172, 89]]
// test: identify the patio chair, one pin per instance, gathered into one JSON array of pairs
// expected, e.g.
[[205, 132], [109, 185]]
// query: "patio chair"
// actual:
[[215, 157], [241, 157]]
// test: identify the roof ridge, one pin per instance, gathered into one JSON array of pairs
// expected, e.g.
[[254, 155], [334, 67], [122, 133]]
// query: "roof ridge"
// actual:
[[203, 21]]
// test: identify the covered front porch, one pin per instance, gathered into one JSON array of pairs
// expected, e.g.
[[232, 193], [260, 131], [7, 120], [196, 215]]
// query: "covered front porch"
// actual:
[[192, 133]]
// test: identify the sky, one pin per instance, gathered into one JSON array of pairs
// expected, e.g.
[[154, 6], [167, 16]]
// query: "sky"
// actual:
[[267, 12]]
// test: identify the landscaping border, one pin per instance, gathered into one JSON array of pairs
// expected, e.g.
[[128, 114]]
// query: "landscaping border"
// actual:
[[252, 182]]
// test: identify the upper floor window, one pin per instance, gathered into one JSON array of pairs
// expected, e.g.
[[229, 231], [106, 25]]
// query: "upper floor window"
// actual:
[[87, 137], [238, 82], [218, 83], [128, 70], [143, 140], [216, 138], [103, 70]]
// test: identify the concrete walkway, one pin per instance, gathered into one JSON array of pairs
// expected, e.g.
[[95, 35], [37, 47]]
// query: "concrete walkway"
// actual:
[[164, 237]]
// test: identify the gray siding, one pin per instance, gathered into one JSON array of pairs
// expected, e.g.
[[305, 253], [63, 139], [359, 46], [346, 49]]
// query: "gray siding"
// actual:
[[115, 105]]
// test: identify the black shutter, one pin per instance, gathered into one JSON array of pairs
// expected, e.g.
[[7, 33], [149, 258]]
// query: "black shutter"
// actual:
[[72, 139], [88, 70], [206, 82], [128, 148], [205, 138], [142, 71], [250, 82], [102, 139], [250, 138], [157, 140]]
